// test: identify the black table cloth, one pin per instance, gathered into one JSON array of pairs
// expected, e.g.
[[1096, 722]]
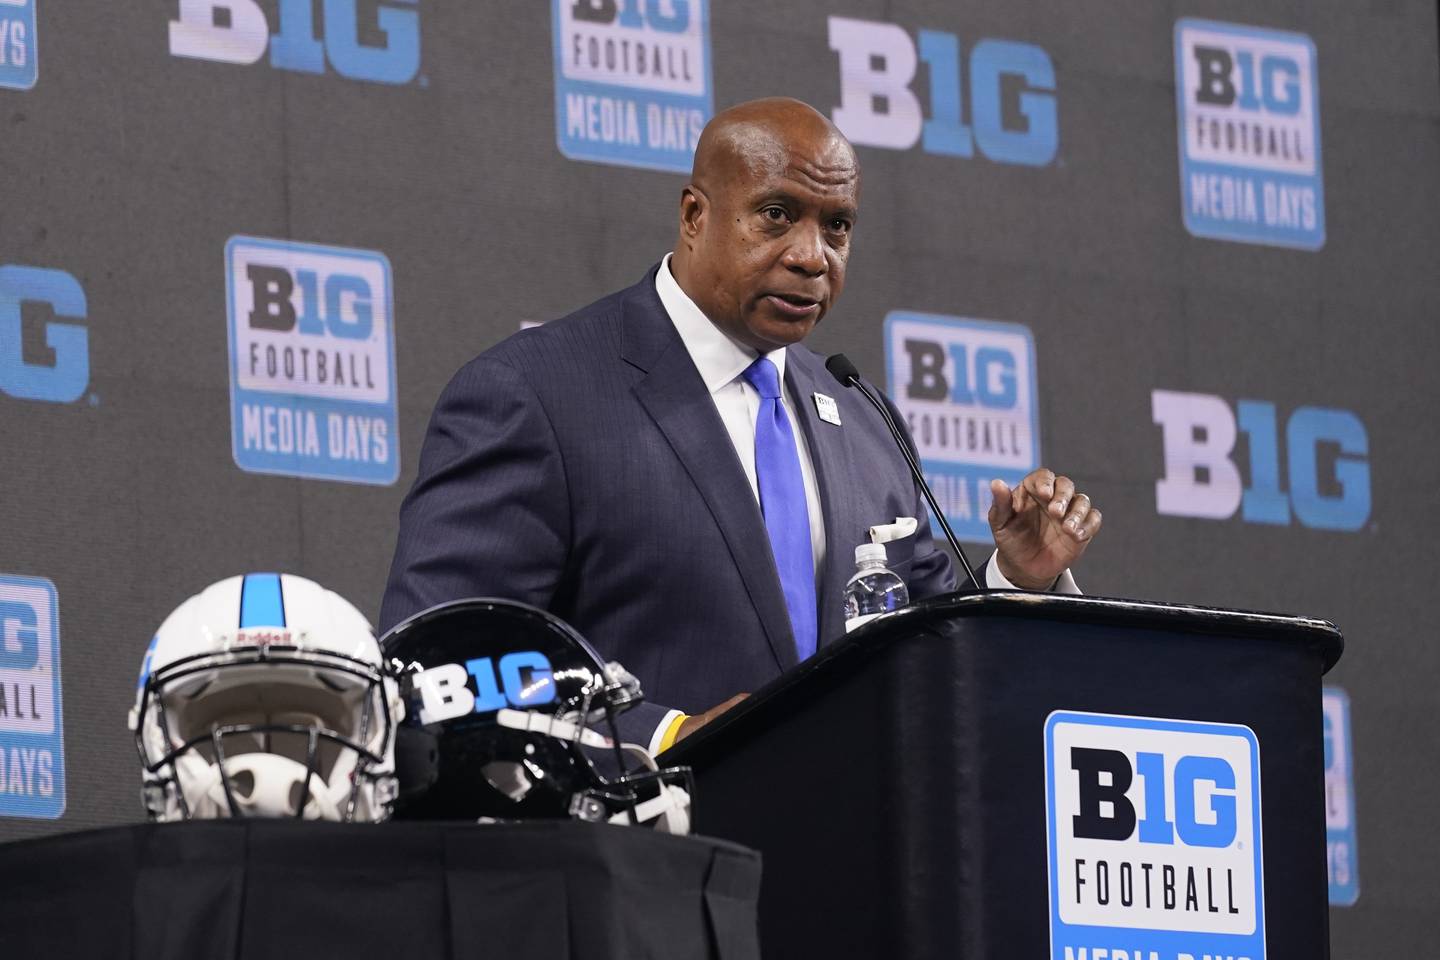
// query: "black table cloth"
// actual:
[[251, 889]]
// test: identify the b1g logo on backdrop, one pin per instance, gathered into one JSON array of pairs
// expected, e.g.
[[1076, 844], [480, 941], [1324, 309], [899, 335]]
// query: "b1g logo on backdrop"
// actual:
[[312, 361], [60, 371], [1002, 107], [966, 389], [1248, 102], [1340, 800], [1154, 838], [19, 64], [32, 737], [632, 80], [386, 50], [1325, 456]]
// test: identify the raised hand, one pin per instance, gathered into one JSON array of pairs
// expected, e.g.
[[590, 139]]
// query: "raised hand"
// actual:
[[1041, 527]]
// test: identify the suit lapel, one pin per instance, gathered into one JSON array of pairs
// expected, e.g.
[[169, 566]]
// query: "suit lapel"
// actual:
[[831, 455], [675, 397]]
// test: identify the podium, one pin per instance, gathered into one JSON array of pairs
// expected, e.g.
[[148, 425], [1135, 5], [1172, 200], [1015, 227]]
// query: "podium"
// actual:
[[996, 774]]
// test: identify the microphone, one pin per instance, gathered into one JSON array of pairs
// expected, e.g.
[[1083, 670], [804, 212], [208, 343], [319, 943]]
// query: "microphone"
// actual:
[[843, 370]]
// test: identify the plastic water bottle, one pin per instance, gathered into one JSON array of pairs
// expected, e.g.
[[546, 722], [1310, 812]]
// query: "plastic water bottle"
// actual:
[[874, 589]]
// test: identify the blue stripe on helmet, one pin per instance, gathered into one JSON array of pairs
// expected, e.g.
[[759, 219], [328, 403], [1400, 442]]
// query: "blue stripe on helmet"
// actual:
[[261, 602]]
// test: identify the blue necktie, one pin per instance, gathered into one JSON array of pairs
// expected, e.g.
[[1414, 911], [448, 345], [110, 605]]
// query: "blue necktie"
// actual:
[[782, 501]]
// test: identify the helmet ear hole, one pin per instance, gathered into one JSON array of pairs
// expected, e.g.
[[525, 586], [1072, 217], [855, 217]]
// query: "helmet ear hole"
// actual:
[[298, 792], [242, 782], [508, 778]]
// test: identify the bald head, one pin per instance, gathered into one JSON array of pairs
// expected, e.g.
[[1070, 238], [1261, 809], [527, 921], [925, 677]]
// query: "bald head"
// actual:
[[759, 135], [765, 221]]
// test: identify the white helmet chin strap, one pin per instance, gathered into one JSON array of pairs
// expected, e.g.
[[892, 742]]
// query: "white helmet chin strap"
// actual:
[[551, 726], [262, 784], [670, 810]]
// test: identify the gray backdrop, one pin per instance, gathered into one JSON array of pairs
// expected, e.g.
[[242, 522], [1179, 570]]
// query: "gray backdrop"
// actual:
[[129, 168]]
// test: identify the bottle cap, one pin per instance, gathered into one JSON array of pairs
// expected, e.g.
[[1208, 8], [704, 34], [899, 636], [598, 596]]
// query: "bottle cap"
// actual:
[[867, 552]]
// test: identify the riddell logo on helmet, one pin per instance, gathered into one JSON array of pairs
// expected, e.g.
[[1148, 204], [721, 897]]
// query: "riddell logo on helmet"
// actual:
[[264, 638], [522, 679]]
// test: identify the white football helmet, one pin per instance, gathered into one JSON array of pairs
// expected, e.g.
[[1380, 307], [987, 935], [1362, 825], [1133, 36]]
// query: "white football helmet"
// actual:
[[265, 695]]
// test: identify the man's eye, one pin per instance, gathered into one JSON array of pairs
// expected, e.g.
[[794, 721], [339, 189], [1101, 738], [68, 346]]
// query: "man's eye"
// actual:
[[840, 226], [775, 214]]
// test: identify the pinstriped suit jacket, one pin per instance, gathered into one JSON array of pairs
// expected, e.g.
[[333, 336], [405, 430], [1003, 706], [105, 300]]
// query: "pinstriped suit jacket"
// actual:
[[582, 467]]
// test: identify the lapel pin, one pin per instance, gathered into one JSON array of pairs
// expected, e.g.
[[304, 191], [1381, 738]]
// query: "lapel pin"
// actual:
[[828, 409]]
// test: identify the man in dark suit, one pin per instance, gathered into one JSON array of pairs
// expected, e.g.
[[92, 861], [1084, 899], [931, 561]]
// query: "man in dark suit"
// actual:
[[638, 469]]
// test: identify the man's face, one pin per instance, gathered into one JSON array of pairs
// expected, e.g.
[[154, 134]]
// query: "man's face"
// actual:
[[773, 240]]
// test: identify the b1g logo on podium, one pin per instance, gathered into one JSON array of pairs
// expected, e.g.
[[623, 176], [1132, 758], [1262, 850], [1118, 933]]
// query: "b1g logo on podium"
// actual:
[[312, 361], [1154, 838], [236, 31], [62, 376], [1248, 102], [19, 64], [1002, 106], [632, 80], [966, 389], [32, 739], [1339, 800]]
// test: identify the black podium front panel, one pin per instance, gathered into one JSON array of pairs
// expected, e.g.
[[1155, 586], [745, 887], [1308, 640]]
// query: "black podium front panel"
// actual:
[[896, 784], [270, 890]]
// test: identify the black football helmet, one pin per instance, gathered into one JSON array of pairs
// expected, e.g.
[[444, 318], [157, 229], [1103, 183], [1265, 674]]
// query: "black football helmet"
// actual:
[[510, 714]]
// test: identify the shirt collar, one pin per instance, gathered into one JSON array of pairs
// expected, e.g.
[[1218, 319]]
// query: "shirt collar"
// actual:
[[718, 358]]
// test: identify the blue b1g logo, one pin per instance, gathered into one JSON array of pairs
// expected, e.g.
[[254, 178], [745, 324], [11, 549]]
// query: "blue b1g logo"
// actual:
[[312, 361], [966, 389], [236, 31], [32, 736], [19, 65], [1248, 102], [65, 378], [1154, 838], [632, 80], [1340, 800]]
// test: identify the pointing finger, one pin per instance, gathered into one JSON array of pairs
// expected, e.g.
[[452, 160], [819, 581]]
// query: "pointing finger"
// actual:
[[1001, 508]]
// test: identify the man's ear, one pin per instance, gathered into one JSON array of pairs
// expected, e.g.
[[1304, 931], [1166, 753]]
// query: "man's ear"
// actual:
[[693, 207]]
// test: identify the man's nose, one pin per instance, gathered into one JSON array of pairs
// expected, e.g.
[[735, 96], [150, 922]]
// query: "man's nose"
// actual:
[[806, 252]]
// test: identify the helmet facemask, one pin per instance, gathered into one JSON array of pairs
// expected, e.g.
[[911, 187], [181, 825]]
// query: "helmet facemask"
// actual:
[[272, 731]]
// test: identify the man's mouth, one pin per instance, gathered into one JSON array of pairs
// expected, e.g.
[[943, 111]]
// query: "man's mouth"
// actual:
[[793, 305]]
